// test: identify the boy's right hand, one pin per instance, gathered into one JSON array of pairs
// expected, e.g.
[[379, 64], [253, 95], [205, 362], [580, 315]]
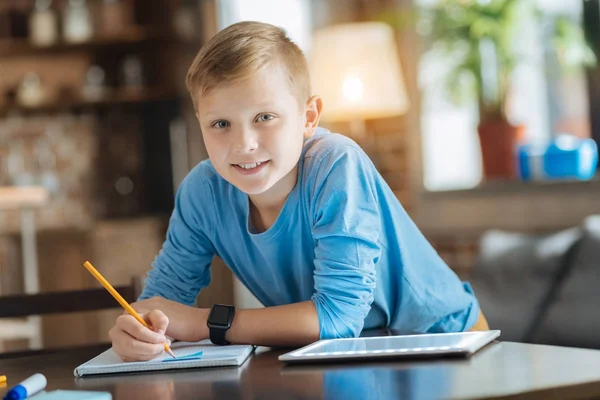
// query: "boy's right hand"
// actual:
[[134, 342]]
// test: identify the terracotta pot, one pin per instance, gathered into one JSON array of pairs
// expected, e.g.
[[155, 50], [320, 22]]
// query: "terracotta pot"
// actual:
[[498, 140]]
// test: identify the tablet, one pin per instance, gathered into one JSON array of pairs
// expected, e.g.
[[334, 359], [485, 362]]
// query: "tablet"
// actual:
[[462, 344]]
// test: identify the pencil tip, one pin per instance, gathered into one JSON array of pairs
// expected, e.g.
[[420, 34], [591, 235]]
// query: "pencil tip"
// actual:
[[171, 353]]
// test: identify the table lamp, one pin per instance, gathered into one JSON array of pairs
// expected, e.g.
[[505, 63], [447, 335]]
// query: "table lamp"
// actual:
[[355, 68]]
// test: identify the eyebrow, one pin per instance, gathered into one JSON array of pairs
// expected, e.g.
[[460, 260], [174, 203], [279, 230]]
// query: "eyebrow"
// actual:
[[214, 114]]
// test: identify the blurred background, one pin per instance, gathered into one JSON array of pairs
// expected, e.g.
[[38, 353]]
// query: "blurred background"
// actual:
[[481, 115]]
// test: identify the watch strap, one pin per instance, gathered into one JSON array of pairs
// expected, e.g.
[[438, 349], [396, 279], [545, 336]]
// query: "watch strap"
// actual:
[[217, 335]]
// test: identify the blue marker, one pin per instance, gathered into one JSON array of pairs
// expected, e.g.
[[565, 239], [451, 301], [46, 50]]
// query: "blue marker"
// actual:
[[27, 388]]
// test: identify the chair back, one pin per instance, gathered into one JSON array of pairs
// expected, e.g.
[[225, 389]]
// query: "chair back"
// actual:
[[25, 305]]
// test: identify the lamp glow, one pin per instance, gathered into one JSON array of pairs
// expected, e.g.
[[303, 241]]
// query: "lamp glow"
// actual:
[[355, 68]]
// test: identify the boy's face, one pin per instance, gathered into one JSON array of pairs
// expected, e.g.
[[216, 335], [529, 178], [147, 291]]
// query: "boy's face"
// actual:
[[254, 131]]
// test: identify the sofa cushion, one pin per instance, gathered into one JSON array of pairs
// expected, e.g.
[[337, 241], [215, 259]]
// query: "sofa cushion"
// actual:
[[573, 318], [513, 274]]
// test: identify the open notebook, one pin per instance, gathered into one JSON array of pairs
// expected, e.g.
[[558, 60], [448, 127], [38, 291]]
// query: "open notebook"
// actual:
[[189, 355]]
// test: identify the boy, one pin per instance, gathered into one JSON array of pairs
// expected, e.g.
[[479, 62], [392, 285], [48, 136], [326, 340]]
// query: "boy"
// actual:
[[299, 214]]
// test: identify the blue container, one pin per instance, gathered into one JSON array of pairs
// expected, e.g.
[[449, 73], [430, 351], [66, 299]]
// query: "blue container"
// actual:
[[566, 157]]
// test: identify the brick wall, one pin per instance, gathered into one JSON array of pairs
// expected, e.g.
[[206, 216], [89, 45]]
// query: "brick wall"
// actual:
[[459, 252], [81, 159], [385, 143], [57, 152]]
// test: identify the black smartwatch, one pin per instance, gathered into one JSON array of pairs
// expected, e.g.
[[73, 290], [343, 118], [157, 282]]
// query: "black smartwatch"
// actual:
[[219, 322]]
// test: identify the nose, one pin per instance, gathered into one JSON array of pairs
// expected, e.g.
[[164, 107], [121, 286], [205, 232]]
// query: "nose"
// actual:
[[245, 141]]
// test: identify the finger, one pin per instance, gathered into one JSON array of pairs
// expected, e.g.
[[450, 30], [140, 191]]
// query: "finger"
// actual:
[[130, 349], [134, 328], [146, 351], [158, 321]]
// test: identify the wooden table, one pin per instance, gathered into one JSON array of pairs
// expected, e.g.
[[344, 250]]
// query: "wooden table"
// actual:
[[501, 370]]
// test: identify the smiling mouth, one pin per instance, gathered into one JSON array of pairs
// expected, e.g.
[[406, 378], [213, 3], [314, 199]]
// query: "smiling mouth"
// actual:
[[250, 165], [250, 168]]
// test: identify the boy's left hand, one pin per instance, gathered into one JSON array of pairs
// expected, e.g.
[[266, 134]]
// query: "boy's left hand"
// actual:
[[185, 323]]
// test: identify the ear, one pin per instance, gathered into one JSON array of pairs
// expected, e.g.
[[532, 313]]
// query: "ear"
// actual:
[[314, 107]]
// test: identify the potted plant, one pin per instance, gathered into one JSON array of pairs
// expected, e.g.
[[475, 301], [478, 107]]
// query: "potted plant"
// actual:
[[478, 39]]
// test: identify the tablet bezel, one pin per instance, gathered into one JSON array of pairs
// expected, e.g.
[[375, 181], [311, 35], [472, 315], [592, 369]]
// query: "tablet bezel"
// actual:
[[479, 340]]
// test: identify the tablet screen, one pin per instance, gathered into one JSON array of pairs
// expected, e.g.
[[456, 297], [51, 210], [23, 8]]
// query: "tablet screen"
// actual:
[[463, 342]]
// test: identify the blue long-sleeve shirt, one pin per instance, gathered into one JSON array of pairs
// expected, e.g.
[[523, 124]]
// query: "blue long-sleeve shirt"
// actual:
[[342, 240]]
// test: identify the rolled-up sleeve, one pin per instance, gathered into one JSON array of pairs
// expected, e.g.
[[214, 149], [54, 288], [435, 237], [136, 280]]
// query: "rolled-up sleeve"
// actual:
[[346, 228], [182, 267]]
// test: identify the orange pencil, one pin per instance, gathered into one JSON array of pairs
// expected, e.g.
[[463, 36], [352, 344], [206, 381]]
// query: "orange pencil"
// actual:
[[2, 378], [120, 299]]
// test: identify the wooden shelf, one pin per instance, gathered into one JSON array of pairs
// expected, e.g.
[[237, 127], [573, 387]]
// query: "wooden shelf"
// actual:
[[133, 35], [118, 97]]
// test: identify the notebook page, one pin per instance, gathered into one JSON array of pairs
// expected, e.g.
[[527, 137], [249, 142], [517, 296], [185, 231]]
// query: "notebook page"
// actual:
[[180, 349], [189, 355]]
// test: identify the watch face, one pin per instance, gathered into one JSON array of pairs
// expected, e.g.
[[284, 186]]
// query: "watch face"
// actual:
[[219, 315]]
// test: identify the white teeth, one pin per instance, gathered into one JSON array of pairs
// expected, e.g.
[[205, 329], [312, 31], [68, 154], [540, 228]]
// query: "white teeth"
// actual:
[[250, 166]]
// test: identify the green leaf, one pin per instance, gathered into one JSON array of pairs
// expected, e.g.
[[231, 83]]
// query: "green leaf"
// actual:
[[455, 28]]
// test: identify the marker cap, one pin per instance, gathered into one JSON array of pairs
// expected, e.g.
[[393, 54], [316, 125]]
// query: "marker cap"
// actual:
[[16, 393]]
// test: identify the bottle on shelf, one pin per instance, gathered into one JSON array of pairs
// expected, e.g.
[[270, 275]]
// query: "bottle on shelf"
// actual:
[[185, 20], [43, 24], [31, 92], [77, 23], [94, 87], [132, 74]]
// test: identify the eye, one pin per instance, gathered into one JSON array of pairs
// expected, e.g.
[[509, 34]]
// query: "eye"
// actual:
[[220, 124], [264, 117]]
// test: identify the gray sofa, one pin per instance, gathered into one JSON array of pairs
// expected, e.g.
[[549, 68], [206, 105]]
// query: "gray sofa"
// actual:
[[542, 288]]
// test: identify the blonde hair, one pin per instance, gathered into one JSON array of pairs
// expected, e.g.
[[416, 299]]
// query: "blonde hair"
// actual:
[[242, 49]]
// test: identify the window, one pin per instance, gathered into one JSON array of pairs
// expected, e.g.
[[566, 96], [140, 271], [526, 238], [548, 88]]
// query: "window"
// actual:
[[545, 100], [292, 15]]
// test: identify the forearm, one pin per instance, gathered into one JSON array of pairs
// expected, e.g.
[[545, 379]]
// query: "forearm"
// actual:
[[289, 325]]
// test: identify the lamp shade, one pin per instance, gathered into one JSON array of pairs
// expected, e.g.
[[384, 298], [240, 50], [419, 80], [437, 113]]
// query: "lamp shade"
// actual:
[[356, 70]]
